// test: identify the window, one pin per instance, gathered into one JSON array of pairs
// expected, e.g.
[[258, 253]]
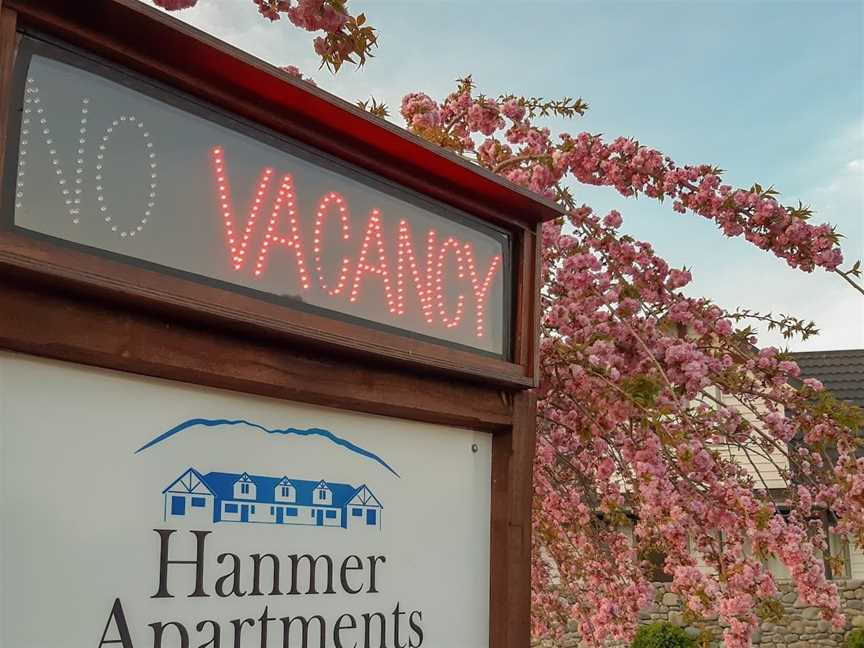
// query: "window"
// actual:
[[371, 517], [331, 515], [357, 512], [253, 508], [272, 510], [178, 505], [199, 502], [244, 488], [284, 491], [839, 558], [322, 495], [230, 508], [657, 571], [291, 512]]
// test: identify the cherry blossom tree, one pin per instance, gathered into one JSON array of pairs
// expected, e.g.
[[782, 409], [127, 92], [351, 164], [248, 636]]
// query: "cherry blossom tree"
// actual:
[[644, 390], [346, 39], [655, 407]]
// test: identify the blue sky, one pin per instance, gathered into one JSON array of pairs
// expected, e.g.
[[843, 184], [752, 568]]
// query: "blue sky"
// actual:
[[770, 91]]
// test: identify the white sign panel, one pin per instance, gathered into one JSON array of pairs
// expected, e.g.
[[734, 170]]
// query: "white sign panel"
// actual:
[[137, 512]]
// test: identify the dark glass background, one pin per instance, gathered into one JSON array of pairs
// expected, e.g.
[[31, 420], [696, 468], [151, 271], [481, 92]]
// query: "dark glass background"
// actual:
[[112, 162]]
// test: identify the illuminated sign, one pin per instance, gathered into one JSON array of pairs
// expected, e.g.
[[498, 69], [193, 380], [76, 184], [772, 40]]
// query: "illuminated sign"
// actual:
[[112, 162]]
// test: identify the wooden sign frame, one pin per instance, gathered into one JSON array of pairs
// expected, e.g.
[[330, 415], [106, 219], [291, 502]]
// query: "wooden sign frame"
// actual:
[[69, 305]]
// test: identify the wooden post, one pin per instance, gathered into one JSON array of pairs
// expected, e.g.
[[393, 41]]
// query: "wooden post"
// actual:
[[85, 305], [512, 465]]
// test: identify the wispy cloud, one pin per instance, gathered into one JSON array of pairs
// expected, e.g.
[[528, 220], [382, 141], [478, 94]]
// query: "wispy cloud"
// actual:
[[837, 196]]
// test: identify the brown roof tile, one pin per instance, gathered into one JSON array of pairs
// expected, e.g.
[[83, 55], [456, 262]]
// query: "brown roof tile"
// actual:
[[840, 371]]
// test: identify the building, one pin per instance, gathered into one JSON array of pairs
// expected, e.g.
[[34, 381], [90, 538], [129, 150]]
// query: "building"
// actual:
[[798, 625], [842, 373], [245, 498]]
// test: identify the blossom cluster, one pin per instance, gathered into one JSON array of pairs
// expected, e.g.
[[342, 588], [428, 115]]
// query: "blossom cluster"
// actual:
[[643, 389], [294, 71], [312, 15], [503, 138], [346, 38], [315, 15], [654, 408]]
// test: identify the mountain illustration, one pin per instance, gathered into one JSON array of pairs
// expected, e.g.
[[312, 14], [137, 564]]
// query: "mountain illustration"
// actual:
[[310, 432]]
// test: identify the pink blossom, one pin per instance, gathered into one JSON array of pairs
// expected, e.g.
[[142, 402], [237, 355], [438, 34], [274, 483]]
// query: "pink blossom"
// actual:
[[813, 384], [613, 219], [175, 5]]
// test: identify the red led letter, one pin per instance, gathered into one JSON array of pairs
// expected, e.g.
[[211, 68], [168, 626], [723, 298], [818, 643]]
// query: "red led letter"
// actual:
[[405, 256], [238, 252], [292, 241], [373, 233], [450, 244], [326, 201], [481, 286]]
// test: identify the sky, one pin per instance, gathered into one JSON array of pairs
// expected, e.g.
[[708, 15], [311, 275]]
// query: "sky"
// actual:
[[772, 92]]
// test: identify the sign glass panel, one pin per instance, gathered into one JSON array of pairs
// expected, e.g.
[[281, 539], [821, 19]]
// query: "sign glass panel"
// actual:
[[102, 159]]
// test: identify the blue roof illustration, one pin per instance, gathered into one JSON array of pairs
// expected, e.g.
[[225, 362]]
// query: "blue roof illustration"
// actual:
[[222, 485], [231, 497]]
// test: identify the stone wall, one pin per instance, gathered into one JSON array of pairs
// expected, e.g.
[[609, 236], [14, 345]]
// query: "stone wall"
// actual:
[[800, 627]]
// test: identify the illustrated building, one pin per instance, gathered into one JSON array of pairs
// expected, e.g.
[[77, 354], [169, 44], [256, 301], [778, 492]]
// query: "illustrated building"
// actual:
[[232, 497]]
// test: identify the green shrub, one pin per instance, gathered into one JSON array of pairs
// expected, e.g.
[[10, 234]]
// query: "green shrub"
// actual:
[[662, 634], [855, 639]]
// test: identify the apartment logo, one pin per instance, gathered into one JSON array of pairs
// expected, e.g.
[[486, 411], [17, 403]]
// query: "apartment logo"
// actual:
[[253, 499]]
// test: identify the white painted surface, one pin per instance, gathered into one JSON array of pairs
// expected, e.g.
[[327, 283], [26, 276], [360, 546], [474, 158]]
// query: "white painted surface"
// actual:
[[78, 509], [856, 562], [765, 470]]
